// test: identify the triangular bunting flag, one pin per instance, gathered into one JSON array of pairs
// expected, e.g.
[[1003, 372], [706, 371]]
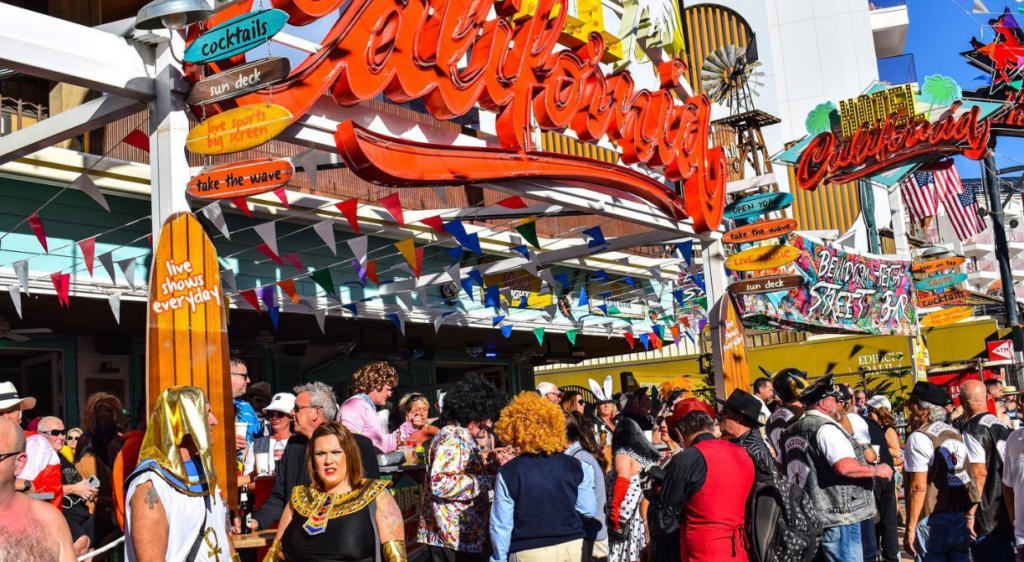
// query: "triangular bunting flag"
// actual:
[[88, 247], [528, 229], [659, 331], [531, 268], [266, 294], [243, 205], [675, 333], [406, 298], [275, 315], [288, 287], [492, 297], [563, 279], [307, 160], [250, 297], [228, 276], [358, 246], [393, 204], [629, 338], [470, 242], [522, 249], [454, 273], [408, 250], [677, 294], [698, 280], [584, 301], [21, 270], [656, 341], [215, 215], [475, 275], [360, 271], [266, 251], [454, 253], [539, 334], [571, 334], [371, 271], [294, 260], [596, 237], [513, 202], [115, 305], [268, 232], [506, 330], [37, 227], [324, 279], [685, 250], [467, 285], [325, 229], [436, 223], [282, 194], [441, 192], [398, 321], [107, 261], [127, 267], [601, 275], [547, 277], [321, 317], [655, 271], [629, 281], [88, 187], [646, 340], [350, 209], [138, 139], [351, 307], [418, 266], [61, 284], [496, 320], [15, 291]]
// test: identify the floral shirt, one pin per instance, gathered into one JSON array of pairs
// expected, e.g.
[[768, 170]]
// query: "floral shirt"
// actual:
[[455, 507]]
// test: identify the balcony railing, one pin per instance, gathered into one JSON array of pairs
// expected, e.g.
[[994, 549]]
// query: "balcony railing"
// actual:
[[885, 4], [899, 69]]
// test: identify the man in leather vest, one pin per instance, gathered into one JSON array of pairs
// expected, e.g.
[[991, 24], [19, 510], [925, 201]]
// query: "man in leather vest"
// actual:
[[788, 384], [942, 492], [820, 455]]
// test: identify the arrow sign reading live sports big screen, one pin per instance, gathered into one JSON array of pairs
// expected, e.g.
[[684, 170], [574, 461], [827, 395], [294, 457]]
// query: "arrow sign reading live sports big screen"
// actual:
[[236, 36], [238, 129], [757, 205], [239, 80], [766, 284], [241, 179], [939, 282], [947, 316], [760, 231], [937, 265], [952, 296], [762, 257]]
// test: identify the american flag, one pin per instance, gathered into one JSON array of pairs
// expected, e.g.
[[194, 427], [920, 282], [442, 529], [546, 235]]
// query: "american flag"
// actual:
[[919, 195], [927, 194]]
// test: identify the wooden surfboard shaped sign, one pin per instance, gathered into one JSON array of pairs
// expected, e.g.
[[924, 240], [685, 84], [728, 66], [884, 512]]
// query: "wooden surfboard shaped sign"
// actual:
[[947, 316], [763, 230], [950, 297], [766, 284], [757, 205], [762, 257], [937, 265], [241, 179], [186, 337], [238, 129], [236, 36], [939, 282], [239, 80]]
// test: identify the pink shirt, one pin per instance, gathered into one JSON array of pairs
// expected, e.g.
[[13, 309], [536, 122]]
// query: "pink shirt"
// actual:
[[359, 416]]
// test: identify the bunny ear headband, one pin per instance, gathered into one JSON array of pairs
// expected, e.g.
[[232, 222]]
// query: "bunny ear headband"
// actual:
[[603, 394]]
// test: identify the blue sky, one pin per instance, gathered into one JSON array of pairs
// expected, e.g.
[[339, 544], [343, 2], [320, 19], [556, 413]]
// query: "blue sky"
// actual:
[[939, 31]]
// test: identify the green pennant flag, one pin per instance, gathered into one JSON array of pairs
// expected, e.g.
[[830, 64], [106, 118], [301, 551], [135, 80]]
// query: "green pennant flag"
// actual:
[[613, 310], [571, 334], [703, 302], [324, 279], [528, 230], [539, 332], [1017, 84]]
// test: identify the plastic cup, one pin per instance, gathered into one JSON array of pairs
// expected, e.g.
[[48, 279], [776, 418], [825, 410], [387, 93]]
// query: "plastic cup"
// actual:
[[262, 464], [241, 428]]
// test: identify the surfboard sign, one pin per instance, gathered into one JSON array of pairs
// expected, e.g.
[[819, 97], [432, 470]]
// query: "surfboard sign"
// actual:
[[769, 284], [939, 282], [762, 257], [762, 230], [239, 80], [241, 179], [236, 36], [757, 205], [937, 265], [945, 298], [947, 316], [238, 129]]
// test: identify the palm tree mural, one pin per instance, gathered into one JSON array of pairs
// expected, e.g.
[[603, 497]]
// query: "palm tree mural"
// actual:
[[940, 90], [819, 120]]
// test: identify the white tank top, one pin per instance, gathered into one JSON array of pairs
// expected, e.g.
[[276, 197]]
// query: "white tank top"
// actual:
[[185, 514]]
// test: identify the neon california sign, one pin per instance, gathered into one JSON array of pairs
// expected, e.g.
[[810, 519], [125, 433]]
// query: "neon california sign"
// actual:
[[412, 50]]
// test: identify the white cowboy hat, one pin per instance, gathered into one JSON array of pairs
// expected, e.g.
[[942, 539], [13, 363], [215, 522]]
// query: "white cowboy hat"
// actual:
[[9, 397]]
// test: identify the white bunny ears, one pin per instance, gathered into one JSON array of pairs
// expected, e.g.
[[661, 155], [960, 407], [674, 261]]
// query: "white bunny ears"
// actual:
[[602, 394]]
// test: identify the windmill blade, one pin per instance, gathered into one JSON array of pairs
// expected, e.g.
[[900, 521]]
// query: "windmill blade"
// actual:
[[16, 337]]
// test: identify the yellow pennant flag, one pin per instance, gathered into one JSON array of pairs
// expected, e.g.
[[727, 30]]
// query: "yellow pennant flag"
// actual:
[[408, 249]]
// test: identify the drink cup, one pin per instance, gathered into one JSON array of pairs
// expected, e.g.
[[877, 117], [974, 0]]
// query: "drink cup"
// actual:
[[877, 449], [262, 464], [241, 428]]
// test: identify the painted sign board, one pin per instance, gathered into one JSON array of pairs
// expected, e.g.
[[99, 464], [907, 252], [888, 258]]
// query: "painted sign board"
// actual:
[[241, 179], [875, 109], [937, 265], [236, 36], [938, 282], [729, 348], [762, 230], [762, 257], [522, 286], [757, 205], [766, 284], [239, 80], [239, 129], [1000, 350], [948, 297], [947, 316]]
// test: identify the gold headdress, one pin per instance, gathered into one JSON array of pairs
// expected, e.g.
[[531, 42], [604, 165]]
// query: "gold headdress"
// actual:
[[180, 411]]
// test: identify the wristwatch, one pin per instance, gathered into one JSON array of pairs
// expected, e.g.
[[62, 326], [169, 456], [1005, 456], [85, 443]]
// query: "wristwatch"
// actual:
[[28, 486]]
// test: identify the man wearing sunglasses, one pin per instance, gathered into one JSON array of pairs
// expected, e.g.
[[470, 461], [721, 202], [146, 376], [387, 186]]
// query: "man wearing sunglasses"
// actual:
[[550, 391], [261, 459], [76, 490], [243, 410]]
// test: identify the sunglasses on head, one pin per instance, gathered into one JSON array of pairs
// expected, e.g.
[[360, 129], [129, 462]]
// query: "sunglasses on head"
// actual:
[[54, 432]]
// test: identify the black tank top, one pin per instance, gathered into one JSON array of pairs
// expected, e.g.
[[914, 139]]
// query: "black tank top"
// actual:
[[349, 538]]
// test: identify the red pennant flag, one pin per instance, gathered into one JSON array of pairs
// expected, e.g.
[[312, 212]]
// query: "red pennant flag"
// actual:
[[288, 286], [282, 195], [270, 254], [656, 340], [419, 262], [294, 260], [149, 237], [88, 247], [37, 227], [371, 271], [350, 209], [242, 204], [62, 284], [685, 321], [138, 139], [629, 338], [393, 204], [513, 202], [436, 223], [251, 298]]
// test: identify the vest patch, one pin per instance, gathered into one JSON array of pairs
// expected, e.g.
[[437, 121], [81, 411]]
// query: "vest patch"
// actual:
[[796, 442], [797, 472], [988, 420], [954, 453], [782, 414], [938, 427]]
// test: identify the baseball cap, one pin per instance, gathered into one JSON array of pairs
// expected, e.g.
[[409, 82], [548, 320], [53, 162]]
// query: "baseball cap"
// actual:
[[261, 388], [687, 405], [282, 402], [878, 401]]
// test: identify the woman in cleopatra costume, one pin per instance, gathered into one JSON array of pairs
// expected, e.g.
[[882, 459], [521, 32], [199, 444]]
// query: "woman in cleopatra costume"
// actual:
[[340, 515]]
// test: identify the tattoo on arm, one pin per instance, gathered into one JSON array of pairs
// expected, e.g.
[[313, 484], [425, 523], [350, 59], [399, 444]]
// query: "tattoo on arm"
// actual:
[[390, 522], [151, 498]]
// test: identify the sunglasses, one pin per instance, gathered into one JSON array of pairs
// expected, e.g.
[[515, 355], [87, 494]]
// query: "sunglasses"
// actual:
[[73, 437], [5, 456], [276, 414], [580, 403], [55, 432]]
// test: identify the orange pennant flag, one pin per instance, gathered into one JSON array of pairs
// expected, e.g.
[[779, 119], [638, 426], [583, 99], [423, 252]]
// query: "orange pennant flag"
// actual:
[[288, 286], [371, 271]]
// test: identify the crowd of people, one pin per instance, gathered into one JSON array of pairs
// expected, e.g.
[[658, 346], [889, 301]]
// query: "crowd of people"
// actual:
[[790, 470]]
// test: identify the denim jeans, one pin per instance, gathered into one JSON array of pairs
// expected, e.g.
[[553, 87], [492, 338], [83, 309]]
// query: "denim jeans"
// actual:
[[943, 537], [996, 546], [841, 544]]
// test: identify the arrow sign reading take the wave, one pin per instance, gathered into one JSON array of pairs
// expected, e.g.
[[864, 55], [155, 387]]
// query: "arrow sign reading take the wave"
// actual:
[[239, 80], [760, 231], [241, 179], [762, 257], [236, 36], [757, 205], [939, 282]]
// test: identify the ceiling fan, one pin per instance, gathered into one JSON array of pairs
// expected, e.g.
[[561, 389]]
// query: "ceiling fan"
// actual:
[[19, 335], [266, 340]]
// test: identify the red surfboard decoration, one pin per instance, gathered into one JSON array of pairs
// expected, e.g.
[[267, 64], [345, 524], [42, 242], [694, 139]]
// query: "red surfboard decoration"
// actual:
[[241, 179], [762, 230]]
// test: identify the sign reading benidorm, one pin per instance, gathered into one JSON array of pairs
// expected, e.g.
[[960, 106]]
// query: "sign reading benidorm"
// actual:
[[460, 54]]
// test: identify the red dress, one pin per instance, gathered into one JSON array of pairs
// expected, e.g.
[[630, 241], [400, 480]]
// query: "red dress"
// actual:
[[712, 529]]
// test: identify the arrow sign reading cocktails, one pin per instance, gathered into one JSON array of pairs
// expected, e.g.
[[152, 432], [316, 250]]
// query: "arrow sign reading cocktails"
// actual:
[[939, 282], [757, 205], [762, 257], [937, 265], [239, 80], [947, 316], [760, 231], [236, 36], [952, 296], [766, 284], [241, 179], [238, 129]]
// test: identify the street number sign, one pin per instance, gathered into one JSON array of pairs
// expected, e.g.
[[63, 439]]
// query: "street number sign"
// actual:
[[239, 80], [952, 296], [937, 265], [939, 282], [757, 205], [238, 129], [947, 316], [766, 284], [762, 257], [236, 36], [760, 231], [241, 179]]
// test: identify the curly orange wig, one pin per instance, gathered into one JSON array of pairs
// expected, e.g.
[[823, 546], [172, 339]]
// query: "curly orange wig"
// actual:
[[532, 424], [374, 376]]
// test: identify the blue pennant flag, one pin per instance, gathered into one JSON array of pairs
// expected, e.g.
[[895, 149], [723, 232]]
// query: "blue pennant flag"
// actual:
[[685, 250], [596, 237], [524, 302], [472, 243], [492, 296], [475, 275], [563, 279], [629, 281], [351, 307], [522, 249], [603, 308], [584, 301], [646, 339], [601, 275], [275, 315], [469, 241], [659, 331], [467, 285], [455, 253], [506, 331], [396, 320], [605, 294], [698, 280], [678, 296], [496, 320]]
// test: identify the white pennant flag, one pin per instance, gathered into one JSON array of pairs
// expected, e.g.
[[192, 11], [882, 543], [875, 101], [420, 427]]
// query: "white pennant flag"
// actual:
[[454, 272], [16, 298], [358, 247], [128, 269], [88, 187], [547, 277], [115, 306], [655, 271], [438, 322], [21, 269], [624, 261], [551, 311], [215, 215], [531, 267], [608, 329], [268, 232], [979, 8], [107, 260], [228, 276], [321, 317], [506, 292], [325, 229], [406, 298], [422, 293], [401, 322], [307, 160], [441, 193]]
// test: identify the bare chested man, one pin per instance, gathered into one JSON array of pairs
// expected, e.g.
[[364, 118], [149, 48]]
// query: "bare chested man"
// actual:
[[30, 530]]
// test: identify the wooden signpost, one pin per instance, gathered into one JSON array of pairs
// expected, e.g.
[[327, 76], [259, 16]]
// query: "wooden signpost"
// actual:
[[236, 36], [952, 296], [937, 265], [760, 231], [766, 284], [241, 179], [239, 80], [187, 338], [757, 205], [947, 316], [938, 282], [762, 257], [238, 129]]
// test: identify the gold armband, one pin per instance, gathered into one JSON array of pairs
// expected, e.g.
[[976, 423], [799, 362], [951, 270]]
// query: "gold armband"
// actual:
[[394, 551], [275, 554], [236, 558]]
